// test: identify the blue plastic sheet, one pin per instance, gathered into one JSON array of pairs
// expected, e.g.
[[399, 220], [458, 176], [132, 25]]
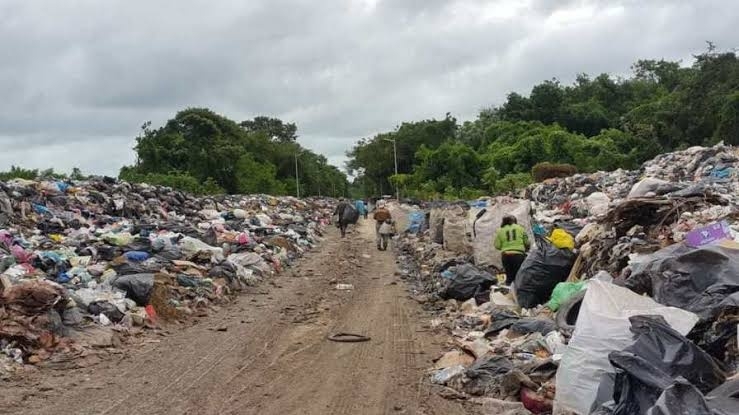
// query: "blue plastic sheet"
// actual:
[[416, 220]]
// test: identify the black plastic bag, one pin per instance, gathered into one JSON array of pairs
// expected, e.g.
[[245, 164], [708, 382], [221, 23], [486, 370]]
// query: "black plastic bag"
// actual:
[[638, 384], [672, 353], [724, 400], [680, 398], [500, 319], [137, 287], [350, 215], [488, 368], [661, 372], [466, 282], [542, 269], [697, 280], [482, 296]]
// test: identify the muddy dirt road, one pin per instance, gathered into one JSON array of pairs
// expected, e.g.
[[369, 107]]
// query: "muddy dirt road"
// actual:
[[267, 352]]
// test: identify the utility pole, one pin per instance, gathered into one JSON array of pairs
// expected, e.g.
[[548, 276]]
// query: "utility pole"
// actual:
[[395, 155], [297, 178]]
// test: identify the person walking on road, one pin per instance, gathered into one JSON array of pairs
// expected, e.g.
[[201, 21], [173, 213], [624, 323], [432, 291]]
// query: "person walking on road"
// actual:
[[361, 207], [346, 215], [513, 243], [380, 216]]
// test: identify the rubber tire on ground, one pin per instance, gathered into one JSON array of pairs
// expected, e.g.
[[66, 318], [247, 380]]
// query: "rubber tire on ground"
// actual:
[[567, 314], [348, 338]]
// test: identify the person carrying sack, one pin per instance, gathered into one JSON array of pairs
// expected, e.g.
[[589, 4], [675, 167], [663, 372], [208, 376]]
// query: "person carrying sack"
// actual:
[[380, 216], [513, 243]]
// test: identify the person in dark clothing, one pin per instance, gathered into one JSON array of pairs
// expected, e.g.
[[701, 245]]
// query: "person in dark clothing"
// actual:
[[513, 242], [347, 215]]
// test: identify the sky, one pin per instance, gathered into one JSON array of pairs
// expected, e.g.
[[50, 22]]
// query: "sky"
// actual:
[[79, 78]]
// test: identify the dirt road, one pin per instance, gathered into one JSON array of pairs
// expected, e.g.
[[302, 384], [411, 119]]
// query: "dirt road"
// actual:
[[267, 353]]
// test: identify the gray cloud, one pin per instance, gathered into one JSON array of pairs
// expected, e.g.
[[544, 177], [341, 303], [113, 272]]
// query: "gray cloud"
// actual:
[[79, 77]]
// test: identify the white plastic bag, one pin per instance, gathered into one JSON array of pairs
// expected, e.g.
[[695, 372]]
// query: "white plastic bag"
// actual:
[[483, 229], [603, 327], [191, 246]]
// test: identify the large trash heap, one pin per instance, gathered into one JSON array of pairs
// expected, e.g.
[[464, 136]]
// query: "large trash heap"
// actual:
[[633, 310], [83, 264]]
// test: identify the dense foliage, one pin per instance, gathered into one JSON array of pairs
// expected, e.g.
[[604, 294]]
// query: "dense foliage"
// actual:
[[600, 123], [203, 152]]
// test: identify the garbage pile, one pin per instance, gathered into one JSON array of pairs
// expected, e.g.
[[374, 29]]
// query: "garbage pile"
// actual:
[[628, 302], [80, 262]]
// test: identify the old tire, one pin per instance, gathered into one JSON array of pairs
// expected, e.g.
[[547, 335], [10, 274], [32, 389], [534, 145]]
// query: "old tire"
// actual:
[[568, 312]]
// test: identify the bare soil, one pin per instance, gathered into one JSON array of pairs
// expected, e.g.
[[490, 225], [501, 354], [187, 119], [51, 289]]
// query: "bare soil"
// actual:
[[268, 353]]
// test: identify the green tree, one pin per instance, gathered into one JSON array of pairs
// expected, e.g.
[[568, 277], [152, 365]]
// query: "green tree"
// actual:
[[273, 127]]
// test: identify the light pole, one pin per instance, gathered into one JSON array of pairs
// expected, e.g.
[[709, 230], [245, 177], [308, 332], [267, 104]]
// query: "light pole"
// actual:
[[297, 178], [395, 155]]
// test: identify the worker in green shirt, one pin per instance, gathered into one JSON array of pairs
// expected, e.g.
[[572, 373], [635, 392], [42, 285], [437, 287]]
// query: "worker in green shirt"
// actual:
[[512, 241]]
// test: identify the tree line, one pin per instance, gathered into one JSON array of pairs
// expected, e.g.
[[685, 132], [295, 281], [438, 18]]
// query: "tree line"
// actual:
[[596, 123], [204, 152]]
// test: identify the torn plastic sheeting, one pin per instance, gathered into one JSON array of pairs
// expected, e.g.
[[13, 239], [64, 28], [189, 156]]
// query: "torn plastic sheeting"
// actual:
[[603, 327], [697, 280]]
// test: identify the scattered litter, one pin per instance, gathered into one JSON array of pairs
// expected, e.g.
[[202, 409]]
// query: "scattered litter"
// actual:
[[627, 303]]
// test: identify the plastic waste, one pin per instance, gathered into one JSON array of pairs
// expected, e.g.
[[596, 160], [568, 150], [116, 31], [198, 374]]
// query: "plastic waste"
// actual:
[[136, 256], [698, 280], [670, 352], [416, 221], [118, 239], [533, 325], [484, 221], [137, 286], [562, 292], [191, 246], [541, 271], [443, 376], [466, 282], [603, 327], [561, 239]]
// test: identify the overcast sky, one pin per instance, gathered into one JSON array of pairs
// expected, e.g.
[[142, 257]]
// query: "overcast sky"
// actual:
[[78, 78]]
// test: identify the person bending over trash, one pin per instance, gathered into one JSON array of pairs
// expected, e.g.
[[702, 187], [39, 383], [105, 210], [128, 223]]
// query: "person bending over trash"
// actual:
[[380, 216], [512, 241]]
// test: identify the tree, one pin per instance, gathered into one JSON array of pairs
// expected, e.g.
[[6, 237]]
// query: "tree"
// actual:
[[216, 152], [273, 127]]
